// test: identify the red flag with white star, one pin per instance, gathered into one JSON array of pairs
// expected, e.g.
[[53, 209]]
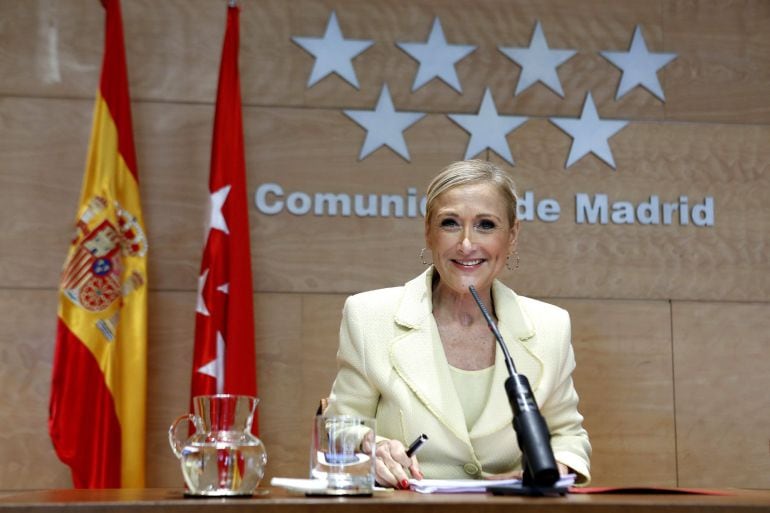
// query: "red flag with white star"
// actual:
[[224, 359]]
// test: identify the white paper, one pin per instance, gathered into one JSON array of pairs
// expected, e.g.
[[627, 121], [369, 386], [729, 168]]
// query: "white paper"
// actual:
[[471, 485], [299, 485], [318, 486]]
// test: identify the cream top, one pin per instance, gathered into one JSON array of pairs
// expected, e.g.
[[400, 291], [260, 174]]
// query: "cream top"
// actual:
[[472, 387]]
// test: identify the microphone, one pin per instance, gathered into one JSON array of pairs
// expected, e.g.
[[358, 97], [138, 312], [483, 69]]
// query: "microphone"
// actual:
[[540, 469]]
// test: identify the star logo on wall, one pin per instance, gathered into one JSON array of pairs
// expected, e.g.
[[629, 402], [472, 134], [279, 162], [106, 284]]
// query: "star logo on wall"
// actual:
[[639, 66], [436, 58], [333, 53], [488, 129], [384, 125], [538, 62], [589, 133]]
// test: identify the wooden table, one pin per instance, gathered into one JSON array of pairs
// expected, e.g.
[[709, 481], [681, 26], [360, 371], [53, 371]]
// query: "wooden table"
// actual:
[[279, 501]]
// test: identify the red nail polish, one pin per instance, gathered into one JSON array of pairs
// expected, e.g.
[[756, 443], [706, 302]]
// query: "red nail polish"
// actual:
[[404, 484]]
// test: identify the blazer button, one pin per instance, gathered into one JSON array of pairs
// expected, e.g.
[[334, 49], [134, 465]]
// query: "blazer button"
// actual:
[[471, 469]]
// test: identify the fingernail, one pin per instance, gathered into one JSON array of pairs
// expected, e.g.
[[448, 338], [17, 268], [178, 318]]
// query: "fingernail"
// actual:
[[404, 484]]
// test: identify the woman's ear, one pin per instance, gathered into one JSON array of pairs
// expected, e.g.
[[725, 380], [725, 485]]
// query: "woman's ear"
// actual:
[[514, 235]]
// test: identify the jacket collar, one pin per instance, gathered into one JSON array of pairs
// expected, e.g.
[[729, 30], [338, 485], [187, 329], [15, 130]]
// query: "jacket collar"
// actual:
[[418, 357], [416, 307]]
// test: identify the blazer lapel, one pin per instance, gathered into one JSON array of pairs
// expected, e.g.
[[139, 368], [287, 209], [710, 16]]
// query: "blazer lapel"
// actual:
[[418, 357]]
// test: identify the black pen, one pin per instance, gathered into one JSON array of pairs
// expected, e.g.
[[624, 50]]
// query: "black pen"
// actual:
[[415, 446]]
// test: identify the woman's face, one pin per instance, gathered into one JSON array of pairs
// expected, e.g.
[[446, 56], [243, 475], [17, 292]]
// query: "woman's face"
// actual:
[[470, 236]]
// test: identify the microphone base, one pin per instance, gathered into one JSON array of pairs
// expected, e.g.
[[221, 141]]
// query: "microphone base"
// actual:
[[528, 490]]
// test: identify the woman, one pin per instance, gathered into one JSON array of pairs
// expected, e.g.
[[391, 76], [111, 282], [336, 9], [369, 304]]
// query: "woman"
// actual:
[[421, 359]]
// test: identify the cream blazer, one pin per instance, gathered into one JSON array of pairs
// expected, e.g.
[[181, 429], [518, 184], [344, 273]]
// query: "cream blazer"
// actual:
[[392, 366]]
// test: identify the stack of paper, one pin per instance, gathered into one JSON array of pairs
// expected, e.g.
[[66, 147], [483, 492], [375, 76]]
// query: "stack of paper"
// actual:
[[472, 485]]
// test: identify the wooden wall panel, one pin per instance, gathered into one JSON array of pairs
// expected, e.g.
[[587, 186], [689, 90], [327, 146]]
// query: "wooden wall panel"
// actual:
[[43, 144], [169, 366], [718, 77], [50, 48], [558, 259], [282, 413], [722, 377], [315, 151], [27, 332], [623, 378], [173, 46]]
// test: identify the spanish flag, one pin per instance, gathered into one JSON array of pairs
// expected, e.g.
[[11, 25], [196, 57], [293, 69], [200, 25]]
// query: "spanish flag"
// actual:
[[97, 408]]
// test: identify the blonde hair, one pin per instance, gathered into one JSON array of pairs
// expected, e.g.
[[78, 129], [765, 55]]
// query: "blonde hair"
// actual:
[[466, 172]]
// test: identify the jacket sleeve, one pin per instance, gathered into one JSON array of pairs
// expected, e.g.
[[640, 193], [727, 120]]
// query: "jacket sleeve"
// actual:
[[353, 392], [569, 439]]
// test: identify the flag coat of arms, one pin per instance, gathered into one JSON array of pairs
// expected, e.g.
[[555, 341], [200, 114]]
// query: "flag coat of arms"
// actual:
[[224, 359], [98, 389]]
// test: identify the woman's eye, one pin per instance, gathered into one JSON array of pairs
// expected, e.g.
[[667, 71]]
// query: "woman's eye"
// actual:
[[486, 224], [448, 223]]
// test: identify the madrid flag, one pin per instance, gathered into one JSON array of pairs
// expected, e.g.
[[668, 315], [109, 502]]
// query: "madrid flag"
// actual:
[[97, 407], [224, 358]]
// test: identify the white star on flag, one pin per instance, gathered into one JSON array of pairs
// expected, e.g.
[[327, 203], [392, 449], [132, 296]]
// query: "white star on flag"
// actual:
[[216, 367], [639, 66], [200, 306], [333, 53], [538, 62], [436, 58], [217, 220], [384, 125], [488, 129], [589, 133]]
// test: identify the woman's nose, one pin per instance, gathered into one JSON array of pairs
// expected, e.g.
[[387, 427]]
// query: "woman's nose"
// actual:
[[467, 242]]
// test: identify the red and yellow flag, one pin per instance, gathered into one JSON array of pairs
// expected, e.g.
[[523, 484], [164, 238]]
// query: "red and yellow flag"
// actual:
[[97, 408], [224, 358]]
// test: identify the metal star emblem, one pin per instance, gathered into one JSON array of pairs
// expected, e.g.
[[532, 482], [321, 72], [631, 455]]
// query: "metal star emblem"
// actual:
[[488, 129], [333, 53], [384, 125], [538, 62], [436, 58], [589, 133], [639, 66]]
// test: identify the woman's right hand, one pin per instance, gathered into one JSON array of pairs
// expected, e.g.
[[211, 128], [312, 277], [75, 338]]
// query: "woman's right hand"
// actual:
[[392, 463]]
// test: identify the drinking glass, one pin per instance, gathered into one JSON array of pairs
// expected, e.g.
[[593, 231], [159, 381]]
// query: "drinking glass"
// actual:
[[342, 454]]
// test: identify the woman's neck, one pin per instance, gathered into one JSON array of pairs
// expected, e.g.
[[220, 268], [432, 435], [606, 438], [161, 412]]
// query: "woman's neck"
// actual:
[[449, 306]]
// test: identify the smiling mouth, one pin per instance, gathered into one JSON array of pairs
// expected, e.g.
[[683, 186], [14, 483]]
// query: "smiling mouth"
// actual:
[[469, 263]]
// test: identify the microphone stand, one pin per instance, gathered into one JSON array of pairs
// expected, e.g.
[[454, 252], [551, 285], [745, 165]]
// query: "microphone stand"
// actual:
[[532, 435]]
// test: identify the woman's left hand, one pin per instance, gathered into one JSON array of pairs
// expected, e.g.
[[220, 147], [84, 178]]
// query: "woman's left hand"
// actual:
[[391, 463]]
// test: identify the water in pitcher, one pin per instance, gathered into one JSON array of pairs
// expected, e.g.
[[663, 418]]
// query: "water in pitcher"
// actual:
[[222, 458], [223, 468]]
